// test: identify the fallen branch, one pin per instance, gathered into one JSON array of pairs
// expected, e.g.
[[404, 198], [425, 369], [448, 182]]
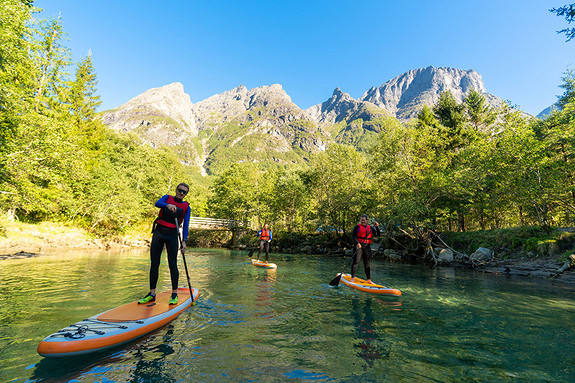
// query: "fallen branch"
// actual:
[[566, 266], [455, 252]]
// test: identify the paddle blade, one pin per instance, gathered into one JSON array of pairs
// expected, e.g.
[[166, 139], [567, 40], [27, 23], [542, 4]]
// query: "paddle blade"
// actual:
[[335, 281], [251, 253]]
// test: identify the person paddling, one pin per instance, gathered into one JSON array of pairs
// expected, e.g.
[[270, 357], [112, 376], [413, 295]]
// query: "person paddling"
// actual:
[[165, 232], [362, 235], [265, 236]]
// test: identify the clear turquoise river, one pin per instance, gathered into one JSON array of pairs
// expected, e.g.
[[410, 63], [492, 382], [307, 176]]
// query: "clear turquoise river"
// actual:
[[289, 325]]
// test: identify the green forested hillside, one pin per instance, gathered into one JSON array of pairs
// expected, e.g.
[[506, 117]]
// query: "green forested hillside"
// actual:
[[457, 166], [57, 161]]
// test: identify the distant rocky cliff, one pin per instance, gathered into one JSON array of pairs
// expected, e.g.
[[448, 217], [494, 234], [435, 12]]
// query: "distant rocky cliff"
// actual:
[[160, 117], [405, 95], [263, 125]]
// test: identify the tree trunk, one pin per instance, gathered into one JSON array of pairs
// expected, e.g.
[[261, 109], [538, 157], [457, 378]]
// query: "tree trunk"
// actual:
[[460, 221]]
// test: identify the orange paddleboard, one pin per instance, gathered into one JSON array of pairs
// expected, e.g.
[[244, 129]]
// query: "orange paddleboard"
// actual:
[[115, 326], [266, 265], [363, 285]]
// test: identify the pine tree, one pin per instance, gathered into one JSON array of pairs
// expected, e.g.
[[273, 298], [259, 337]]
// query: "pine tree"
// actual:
[[83, 104], [478, 112], [569, 87], [568, 11]]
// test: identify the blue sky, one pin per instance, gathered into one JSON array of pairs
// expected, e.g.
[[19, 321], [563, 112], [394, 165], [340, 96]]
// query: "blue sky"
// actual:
[[311, 47]]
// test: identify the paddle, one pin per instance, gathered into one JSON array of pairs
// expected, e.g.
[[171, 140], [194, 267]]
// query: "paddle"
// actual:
[[185, 264], [335, 281]]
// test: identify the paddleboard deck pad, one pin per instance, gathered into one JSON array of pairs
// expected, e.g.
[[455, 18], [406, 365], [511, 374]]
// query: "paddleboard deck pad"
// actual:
[[116, 326], [266, 265], [363, 285]]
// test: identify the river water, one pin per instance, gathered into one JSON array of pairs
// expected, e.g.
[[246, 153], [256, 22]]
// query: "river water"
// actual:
[[289, 325]]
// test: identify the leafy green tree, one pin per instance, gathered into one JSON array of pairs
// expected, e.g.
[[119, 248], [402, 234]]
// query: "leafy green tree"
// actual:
[[559, 137], [51, 61], [449, 113], [15, 71], [342, 186], [84, 101], [125, 181], [412, 167], [263, 196], [87, 128], [523, 168], [39, 162], [291, 199], [232, 193]]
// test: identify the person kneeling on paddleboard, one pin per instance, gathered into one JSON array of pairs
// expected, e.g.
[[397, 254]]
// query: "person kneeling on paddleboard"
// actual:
[[165, 232], [265, 236], [362, 235]]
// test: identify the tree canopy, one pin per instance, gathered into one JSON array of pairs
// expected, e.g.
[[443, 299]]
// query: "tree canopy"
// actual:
[[567, 11]]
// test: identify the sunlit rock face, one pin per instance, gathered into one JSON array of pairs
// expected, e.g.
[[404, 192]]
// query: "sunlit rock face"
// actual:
[[157, 107], [263, 125], [405, 95]]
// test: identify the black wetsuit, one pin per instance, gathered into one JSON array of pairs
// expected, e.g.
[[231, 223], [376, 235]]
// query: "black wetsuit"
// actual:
[[365, 251], [164, 236], [168, 236]]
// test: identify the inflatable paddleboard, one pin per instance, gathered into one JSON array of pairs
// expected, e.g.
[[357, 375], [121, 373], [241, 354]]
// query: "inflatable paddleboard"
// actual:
[[266, 265], [114, 327], [363, 285]]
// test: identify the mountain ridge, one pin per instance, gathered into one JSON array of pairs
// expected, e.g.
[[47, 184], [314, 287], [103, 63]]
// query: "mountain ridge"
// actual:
[[263, 125]]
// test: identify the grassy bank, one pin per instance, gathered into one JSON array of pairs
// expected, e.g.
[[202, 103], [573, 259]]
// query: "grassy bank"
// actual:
[[21, 236]]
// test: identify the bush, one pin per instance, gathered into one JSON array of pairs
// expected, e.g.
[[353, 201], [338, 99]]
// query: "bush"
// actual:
[[512, 241]]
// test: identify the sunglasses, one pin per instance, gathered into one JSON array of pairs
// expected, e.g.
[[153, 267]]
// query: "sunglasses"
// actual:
[[182, 191]]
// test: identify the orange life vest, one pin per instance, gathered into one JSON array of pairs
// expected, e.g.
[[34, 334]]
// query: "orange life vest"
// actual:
[[364, 234], [165, 221], [265, 236]]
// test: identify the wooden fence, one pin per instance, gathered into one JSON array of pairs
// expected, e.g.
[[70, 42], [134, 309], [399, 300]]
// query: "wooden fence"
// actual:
[[217, 224]]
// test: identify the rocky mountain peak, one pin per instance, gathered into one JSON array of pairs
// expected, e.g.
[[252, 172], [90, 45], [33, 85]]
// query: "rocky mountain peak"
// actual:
[[405, 95], [168, 102], [263, 124], [265, 95], [160, 117], [340, 106], [234, 105]]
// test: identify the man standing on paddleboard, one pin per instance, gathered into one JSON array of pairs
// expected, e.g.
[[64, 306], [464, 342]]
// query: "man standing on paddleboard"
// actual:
[[165, 232], [362, 235], [265, 236]]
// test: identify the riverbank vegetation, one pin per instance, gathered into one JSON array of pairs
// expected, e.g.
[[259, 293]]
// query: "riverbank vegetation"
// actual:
[[458, 167]]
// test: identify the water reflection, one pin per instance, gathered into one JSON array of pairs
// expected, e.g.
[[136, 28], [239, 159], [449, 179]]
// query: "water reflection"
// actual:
[[265, 292], [371, 345], [151, 364]]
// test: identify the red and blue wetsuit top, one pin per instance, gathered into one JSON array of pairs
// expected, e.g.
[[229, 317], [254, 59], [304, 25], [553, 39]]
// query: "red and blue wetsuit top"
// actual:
[[167, 218]]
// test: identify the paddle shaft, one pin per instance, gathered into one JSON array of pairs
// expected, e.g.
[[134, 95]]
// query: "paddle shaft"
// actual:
[[335, 281], [184, 257]]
